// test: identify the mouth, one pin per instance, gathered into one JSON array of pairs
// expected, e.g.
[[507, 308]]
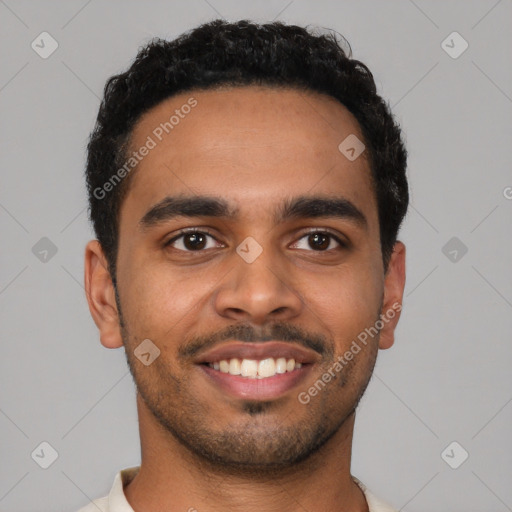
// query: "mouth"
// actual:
[[254, 369], [257, 371]]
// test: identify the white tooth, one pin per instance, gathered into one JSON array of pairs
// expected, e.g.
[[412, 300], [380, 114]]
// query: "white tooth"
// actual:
[[267, 367], [224, 366], [234, 367], [290, 365], [298, 365], [216, 366], [281, 365], [249, 368]]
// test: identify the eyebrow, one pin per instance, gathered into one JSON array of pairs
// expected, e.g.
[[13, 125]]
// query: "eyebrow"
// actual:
[[301, 207]]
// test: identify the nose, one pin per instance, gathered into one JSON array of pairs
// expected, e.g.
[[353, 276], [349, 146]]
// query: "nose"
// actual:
[[259, 291]]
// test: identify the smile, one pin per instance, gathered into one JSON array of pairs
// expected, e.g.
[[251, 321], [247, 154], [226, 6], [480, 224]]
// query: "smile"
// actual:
[[254, 369]]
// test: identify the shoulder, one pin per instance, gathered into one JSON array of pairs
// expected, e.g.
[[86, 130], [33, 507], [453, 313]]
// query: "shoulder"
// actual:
[[99, 505], [115, 501], [374, 503]]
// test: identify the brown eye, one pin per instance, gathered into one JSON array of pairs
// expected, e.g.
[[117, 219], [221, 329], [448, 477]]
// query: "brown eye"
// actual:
[[194, 241], [320, 241], [191, 241]]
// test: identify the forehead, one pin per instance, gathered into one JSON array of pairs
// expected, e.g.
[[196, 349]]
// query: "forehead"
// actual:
[[251, 144]]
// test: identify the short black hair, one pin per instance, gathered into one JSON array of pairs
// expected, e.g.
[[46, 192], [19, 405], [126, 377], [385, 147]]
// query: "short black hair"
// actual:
[[242, 53]]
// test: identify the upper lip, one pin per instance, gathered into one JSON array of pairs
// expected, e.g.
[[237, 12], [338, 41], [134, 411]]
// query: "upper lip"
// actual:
[[258, 351]]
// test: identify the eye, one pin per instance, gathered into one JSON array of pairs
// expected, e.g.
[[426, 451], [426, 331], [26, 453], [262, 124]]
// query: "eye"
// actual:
[[320, 241], [191, 240]]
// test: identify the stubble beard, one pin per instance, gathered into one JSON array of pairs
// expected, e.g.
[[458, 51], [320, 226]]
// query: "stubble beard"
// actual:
[[263, 443]]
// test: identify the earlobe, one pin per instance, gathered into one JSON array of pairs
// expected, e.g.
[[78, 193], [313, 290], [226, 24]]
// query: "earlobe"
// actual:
[[394, 285], [101, 296]]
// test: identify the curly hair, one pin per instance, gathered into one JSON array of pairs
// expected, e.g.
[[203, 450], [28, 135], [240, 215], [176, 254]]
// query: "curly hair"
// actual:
[[243, 53]]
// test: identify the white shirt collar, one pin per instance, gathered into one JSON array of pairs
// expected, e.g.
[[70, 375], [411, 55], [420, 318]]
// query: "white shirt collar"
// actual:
[[116, 500]]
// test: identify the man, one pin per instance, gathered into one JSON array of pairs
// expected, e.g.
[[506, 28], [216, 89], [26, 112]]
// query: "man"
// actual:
[[246, 187]]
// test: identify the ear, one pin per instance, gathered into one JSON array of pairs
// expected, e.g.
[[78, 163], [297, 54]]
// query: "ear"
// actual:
[[394, 283], [101, 297]]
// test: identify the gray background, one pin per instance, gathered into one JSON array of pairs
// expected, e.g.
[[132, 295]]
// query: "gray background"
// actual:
[[448, 376]]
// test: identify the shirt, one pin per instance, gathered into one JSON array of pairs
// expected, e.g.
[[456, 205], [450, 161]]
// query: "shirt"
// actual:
[[116, 500]]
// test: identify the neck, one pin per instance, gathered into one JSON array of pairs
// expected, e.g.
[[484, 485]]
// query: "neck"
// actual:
[[171, 478]]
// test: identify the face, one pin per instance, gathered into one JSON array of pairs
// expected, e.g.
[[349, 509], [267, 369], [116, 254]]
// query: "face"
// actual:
[[248, 243]]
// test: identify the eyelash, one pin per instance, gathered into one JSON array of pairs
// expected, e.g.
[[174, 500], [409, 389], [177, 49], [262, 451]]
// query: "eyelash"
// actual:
[[204, 231]]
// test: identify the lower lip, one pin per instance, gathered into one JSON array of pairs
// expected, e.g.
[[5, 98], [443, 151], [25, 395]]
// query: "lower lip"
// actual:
[[248, 388]]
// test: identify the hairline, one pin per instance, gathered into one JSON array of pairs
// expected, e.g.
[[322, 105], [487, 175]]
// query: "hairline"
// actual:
[[127, 143]]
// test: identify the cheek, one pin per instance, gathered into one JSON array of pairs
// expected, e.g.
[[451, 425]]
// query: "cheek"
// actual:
[[346, 302], [157, 302]]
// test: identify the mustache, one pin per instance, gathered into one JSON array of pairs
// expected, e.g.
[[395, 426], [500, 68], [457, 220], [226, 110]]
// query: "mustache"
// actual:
[[245, 332]]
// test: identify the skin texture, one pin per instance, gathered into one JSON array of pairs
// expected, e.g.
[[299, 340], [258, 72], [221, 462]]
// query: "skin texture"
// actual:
[[254, 147]]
